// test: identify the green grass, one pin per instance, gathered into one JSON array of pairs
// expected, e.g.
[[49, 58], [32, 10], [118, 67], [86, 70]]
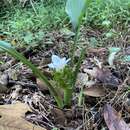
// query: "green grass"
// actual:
[[111, 16], [108, 13], [19, 21], [26, 18]]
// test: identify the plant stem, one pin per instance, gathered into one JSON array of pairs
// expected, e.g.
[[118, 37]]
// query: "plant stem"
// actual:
[[78, 66], [68, 96], [74, 46]]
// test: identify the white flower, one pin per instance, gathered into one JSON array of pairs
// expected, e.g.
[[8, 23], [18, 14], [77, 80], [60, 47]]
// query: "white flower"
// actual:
[[58, 63]]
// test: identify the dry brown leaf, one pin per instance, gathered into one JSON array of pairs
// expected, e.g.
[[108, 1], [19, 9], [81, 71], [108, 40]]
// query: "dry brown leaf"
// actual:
[[104, 75], [59, 116], [94, 91], [16, 93], [113, 120], [82, 80], [12, 118], [101, 52], [41, 85], [127, 51], [3, 36], [3, 83], [13, 74]]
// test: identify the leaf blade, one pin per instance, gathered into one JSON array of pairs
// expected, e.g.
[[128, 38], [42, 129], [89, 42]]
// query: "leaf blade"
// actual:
[[75, 10], [36, 71]]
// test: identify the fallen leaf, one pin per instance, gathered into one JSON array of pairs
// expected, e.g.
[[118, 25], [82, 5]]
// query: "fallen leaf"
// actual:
[[7, 65], [127, 50], [13, 74], [113, 119], [12, 118], [128, 81], [82, 80], [4, 79], [3, 36], [127, 104], [94, 91], [3, 83], [16, 93], [100, 52], [104, 75], [41, 85], [59, 116]]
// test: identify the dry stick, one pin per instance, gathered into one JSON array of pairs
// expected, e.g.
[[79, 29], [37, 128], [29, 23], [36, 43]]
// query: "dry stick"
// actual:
[[30, 85], [79, 127]]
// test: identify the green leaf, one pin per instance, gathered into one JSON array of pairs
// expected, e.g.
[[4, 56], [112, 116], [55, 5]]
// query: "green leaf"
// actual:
[[113, 51], [78, 65], [75, 10], [54, 128], [29, 38], [109, 34], [126, 58], [67, 33], [106, 23], [6, 44]]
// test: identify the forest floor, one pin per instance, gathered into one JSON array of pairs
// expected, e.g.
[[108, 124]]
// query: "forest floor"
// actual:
[[25, 101]]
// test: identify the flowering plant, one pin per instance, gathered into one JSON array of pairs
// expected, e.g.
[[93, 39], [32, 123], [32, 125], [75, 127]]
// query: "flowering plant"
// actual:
[[58, 63], [64, 75]]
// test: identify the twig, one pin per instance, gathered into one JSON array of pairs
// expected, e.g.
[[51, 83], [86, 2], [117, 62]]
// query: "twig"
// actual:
[[30, 85]]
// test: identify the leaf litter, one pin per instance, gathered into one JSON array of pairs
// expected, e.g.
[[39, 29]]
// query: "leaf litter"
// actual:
[[101, 83]]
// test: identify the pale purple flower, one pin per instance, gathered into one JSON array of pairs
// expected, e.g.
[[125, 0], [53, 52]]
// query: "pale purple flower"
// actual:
[[58, 63]]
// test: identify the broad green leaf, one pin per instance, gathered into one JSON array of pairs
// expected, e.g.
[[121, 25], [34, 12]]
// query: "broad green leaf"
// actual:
[[75, 10]]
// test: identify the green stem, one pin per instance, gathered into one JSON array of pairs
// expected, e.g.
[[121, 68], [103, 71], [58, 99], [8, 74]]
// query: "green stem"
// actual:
[[74, 46], [78, 66], [36, 71], [68, 96], [77, 29]]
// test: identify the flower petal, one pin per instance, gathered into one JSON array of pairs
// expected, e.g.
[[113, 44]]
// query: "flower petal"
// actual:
[[55, 59], [68, 60], [51, 66], [58, 63], [63, 60]]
